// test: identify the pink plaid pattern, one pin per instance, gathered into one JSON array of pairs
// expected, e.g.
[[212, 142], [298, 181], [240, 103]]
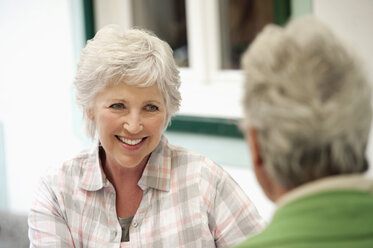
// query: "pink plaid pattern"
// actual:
[[188, 201]]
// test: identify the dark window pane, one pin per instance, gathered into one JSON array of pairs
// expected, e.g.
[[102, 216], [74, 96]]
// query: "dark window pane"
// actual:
[[167, 19], [240, 21]]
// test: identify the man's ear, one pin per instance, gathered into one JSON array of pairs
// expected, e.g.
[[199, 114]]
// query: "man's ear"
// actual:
[[258, 165], [270, 187], [90, 114], [252, 138]]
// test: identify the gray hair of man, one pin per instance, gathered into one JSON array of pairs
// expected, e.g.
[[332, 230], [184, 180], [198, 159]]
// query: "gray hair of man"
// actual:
[[308, 100], [135, 57]]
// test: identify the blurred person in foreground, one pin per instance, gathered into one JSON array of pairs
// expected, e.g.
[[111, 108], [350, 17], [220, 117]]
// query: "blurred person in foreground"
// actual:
[[307, 117], [134, 189]]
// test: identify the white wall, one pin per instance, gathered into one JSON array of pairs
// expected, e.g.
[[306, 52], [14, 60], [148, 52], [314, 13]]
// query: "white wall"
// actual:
[[36, 72], [353, 22]]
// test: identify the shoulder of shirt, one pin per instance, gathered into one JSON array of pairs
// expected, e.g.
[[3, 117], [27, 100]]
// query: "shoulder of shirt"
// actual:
[[197, 161], [70, 168]]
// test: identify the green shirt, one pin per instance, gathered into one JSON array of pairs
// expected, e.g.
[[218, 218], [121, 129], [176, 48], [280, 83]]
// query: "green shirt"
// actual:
[[336, 218]]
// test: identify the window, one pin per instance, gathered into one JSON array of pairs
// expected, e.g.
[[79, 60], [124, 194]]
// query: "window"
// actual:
[[208, 38]]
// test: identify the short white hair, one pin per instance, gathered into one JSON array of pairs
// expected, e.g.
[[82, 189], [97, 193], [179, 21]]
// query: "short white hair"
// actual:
[[309, 100], [135, 57]]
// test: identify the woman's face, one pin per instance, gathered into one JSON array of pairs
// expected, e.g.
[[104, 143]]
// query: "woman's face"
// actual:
[[130, 122]]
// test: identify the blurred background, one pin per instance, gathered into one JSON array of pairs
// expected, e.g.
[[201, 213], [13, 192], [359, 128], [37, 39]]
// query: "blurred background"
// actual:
[[40, 126]]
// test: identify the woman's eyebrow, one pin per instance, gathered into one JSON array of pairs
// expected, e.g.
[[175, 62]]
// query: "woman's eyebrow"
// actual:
[[118, 100], [153, 101]]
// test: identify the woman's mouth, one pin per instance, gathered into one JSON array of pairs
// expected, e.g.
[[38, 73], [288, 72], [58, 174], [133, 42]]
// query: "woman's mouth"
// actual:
[[130, 142]]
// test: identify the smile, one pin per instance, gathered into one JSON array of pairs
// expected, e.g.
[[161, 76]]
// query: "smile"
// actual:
[[131, 142]]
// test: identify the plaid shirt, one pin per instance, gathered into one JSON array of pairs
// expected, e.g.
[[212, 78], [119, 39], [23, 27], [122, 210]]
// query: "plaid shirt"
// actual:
[[188, 201]]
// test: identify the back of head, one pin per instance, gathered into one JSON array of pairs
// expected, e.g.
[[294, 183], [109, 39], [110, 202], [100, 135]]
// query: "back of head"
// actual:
[[309, 100]]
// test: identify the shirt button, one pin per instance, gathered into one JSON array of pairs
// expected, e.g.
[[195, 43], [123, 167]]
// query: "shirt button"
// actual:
[[135, 224]]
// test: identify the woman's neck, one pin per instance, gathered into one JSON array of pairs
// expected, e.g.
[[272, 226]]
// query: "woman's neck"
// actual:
[[121, 176]]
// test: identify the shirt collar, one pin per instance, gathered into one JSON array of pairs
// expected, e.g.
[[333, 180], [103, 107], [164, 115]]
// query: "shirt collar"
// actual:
[[92, 176], [156, 174], [359, 182]]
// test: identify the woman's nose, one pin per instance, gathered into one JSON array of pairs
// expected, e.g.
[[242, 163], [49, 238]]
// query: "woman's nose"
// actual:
[[133, 123]]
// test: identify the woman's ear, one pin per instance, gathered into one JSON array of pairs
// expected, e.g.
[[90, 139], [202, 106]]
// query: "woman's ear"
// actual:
[[90, 114]]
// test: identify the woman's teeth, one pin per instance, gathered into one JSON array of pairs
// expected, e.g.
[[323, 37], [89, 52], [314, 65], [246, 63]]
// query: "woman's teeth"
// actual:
[[130, 142]]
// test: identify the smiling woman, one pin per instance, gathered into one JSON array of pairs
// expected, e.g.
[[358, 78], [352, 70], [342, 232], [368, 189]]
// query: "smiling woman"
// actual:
[[130, 121], [133, 188]]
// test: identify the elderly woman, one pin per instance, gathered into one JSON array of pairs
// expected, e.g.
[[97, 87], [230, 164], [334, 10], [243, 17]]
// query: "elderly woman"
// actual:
[[133, 189], [307, 118]]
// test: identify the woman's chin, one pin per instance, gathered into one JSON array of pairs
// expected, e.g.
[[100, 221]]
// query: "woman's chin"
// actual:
[[133, 163]]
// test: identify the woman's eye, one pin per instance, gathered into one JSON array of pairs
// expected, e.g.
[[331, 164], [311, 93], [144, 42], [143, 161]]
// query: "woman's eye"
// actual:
[[151, 108], [117, 106]]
